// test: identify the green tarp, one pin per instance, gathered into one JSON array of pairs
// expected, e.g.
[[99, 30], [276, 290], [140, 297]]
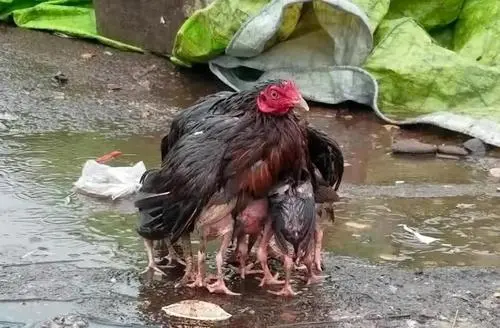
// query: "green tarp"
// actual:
[[412, 61], [72, 17]]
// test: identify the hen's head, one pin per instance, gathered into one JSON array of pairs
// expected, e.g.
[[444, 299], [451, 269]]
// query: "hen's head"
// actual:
[[280, 97]]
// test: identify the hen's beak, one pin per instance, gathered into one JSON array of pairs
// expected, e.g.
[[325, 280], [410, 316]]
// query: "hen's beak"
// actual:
[[301, 104]]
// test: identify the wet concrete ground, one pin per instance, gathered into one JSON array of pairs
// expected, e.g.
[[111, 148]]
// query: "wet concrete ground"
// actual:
[[83, 258]]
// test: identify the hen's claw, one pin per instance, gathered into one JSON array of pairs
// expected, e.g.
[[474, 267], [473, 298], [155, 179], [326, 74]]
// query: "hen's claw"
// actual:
[[188, 276], [171, 258], [198, 282], [287, 291], [314, 279], [220, 287], [270, 280], [155, 268], [247, 270]]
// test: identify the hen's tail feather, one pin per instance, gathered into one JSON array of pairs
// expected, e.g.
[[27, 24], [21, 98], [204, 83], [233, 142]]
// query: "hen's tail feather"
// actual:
[[327, 156], [151, 225]]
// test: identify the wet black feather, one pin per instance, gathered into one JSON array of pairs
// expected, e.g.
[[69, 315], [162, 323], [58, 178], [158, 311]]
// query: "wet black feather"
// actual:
[[326, 155], [293, 214]]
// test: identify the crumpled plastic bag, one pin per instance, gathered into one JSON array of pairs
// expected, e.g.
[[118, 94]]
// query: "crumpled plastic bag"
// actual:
[[108, 181]]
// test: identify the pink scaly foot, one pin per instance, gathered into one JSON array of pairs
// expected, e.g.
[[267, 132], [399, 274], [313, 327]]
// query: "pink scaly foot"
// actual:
[[269, 280], [152, 266], [247, 270], [287, 291], [220, 287]]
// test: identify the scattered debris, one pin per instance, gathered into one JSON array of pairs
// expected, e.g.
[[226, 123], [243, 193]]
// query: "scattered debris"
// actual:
[[106, 181], [87, 55], [348, 117], [8, 117], [162, 20], [60, 78], [140, 73], [145, 84], [58, 95], [498, 189], [455, 320], [63, 35], [347, 164], [412, 146], [495, 172], [109, 156], [357, 225], [424, 239], [70, 321], [197, 310], [390, 127], [394, 258], [475, 147], [114, 87], [452, 150], [446, 156], [109, 53], [399, 182], [463, 206]]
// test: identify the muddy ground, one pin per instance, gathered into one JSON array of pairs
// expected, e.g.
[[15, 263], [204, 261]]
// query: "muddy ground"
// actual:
[[80, 261]]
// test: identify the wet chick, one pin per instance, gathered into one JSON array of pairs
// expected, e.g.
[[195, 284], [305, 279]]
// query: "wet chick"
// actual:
[[293, 224], [214, 222], [248, 228], [324, 196]]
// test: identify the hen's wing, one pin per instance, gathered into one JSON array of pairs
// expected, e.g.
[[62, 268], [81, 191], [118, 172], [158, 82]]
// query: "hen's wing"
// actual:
[[182, 122], [326, 155], [193, 171]]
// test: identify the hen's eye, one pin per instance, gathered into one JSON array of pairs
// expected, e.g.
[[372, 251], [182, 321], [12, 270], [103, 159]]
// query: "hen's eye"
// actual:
[[274, 94]]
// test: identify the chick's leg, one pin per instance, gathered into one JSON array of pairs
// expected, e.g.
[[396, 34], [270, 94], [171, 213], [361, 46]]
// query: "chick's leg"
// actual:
[[220, 286], [287, 288], [243, 248], [318, 237], [148, 244], [268, 278], [188, 255], [311, 276], [200, 276], [172, 255]]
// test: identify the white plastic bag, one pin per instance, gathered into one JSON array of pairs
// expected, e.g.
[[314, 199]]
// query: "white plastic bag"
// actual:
[[108, 181]]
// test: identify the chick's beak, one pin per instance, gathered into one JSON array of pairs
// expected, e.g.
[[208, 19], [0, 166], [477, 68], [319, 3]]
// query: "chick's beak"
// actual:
[[301, 104]]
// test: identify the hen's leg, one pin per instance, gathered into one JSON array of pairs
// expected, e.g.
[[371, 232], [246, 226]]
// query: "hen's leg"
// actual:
[[200, 277], [287, 288], [220, 286], [172, 255], [268, 278], [186, 250], [318, 237], [148, 244]]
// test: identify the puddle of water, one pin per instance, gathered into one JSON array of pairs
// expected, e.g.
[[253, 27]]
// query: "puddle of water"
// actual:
[[367, 150], [36, 225], [371, 228], [38, 171]]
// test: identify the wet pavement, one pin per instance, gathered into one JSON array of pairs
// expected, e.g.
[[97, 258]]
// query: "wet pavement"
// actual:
[[83, 257]]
